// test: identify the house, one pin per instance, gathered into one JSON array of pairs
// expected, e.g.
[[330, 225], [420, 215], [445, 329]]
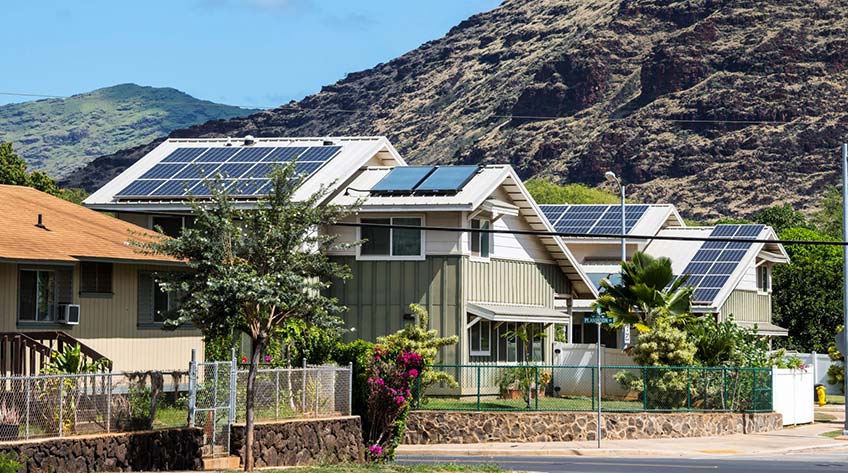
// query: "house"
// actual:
[[69, 275], [730, 279], [474, 285]]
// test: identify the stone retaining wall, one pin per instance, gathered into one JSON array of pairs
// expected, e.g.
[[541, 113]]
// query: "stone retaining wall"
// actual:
[[159, 450], [303, 442], [435, 427]]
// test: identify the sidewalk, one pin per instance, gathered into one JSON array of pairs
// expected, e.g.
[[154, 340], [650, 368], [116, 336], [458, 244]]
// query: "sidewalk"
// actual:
[[789, 440]]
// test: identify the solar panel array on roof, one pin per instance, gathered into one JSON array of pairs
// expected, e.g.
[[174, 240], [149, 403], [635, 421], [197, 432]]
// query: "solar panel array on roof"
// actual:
[[593, 219], [425, 180], [243, 172], [715, 261]]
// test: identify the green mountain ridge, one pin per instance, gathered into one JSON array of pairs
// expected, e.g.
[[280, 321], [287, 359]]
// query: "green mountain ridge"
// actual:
[[60, 135]]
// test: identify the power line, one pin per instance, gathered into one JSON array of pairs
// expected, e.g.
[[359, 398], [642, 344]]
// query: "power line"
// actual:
[[616, 236]]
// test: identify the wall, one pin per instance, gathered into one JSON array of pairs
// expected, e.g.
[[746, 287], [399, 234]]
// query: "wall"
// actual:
[[379, 293], [514, 282], [303, 442], [160, 450], [748, 306], [428, 427], [109, 325]]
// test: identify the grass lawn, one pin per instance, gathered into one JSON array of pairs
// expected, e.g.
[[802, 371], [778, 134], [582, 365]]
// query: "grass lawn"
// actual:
[[823, 417], [573, 403], [832, 434], [835, 399], [168, 417], [391, 469]]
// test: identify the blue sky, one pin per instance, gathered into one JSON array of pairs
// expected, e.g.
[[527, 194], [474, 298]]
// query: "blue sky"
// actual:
[[243, 52]]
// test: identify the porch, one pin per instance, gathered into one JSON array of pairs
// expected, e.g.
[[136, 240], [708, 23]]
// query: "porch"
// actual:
[[27, 353]]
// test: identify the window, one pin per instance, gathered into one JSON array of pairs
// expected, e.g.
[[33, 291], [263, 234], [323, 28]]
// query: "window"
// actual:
[[154, 304], [96, 278], [763, 279], [511, 349], [37, 296], [391, 242], [480, 338], [480, 242], [171, 226]]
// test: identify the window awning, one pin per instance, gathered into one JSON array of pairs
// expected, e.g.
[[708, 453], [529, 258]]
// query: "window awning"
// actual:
[[516, 313], [765, 328]]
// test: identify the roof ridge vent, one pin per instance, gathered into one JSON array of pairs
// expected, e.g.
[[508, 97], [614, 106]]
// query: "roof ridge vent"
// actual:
[[329, 143], [249, 140], [229, 142]]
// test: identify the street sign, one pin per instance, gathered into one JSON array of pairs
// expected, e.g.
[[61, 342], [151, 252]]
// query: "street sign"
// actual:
[[840, 341], [597, 319]]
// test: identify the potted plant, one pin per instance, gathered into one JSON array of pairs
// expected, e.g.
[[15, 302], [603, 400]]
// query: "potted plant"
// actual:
[[10, 422]]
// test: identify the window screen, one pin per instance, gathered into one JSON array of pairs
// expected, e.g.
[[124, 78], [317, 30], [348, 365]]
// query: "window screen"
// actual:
[[96, 278]]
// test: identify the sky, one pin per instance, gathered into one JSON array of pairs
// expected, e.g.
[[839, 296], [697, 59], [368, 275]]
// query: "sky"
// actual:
[[256, 53]]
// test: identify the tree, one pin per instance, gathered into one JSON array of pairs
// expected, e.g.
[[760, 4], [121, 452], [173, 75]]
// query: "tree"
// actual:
[[726, 343], [546, 192], [648, 293], [13, 171], [807, 296], [253, 270], [828, 220], [781, 217]]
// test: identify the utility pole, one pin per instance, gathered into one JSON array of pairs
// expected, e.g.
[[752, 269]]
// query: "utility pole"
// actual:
[[845, 274]]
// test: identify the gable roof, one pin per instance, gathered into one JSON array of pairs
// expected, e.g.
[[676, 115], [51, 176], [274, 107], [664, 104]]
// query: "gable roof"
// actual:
[[354, 153], [71, 232], [641, 219], [475, 194]]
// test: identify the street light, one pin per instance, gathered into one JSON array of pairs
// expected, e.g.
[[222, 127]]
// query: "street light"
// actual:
[[611, 177]]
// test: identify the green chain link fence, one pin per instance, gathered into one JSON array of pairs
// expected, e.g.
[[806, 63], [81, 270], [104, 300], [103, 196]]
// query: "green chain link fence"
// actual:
[[489, 387]]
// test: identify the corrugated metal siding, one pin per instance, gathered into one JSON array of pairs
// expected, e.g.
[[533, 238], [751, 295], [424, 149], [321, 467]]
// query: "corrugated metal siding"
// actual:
[[514, 282], [109, 325], [748, 306], [379, 292]]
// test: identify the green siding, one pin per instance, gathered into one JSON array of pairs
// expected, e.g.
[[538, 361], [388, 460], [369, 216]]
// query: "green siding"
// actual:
[[379, 292], [747, 306]]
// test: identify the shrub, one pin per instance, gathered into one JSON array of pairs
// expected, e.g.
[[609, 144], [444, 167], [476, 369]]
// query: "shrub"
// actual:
[[836, 371], [726, 344], [9, 464], [358, 353]]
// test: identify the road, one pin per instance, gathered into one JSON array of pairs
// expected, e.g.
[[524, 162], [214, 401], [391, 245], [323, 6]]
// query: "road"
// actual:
[[806, 463]]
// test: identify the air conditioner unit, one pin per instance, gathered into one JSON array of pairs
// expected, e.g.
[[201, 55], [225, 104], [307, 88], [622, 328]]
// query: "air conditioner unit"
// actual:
[[69, 314]]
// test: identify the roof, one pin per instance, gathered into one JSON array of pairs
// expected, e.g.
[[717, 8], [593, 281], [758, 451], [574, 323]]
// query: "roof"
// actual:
[[682, 252], [764, 328], [72, 232], [354, 153], [641, 219], [515, 313], [475, 194]]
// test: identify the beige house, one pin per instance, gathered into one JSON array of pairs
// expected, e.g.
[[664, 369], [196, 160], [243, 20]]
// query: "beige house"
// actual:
[[69, 275]]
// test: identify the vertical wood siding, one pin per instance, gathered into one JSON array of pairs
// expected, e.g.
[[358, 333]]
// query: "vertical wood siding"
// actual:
[[379, 293], [747, 306], [514, 282], [109, 325]]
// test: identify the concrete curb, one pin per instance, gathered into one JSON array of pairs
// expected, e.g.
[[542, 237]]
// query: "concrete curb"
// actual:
[[434, 450]]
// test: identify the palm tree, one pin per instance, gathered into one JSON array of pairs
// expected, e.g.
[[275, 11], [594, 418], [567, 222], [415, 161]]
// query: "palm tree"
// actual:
[[648, 294]]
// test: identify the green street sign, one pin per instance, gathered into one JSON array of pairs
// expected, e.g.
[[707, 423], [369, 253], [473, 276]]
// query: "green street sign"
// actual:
[[597, 319]]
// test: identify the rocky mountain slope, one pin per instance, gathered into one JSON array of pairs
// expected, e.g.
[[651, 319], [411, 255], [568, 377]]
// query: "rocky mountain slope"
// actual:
[[60, 135], [719, 106]]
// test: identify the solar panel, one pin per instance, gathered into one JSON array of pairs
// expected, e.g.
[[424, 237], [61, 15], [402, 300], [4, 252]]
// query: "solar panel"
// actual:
[[306, 169], [594, 219], [714, 263], [249, 186], [402, 179], [163, 171], [140, 188], [319, 153], [284, 155], [447, 179], [250, 155], [174, 188], [234, 170], [183, 155], [217, 155], [197, 171]]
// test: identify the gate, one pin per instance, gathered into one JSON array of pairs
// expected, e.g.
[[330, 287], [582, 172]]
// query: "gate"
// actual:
[[211, 401]]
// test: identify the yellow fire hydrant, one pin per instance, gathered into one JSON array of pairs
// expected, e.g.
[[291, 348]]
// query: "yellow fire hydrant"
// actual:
[[821, 395]]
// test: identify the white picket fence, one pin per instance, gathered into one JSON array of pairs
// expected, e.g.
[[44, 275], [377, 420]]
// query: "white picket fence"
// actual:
[[792, 392]]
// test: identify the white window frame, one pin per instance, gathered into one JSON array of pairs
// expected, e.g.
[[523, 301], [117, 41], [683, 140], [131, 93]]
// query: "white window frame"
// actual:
[[763, 276], [389, 257], [472, 236], [481, 351]]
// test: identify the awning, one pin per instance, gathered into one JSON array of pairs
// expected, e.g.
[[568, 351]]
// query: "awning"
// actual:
[[516, 313], [765, 328]]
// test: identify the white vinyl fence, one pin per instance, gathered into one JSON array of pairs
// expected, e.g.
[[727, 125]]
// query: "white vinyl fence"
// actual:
[[579, 381], [818, 364], [793, 395]]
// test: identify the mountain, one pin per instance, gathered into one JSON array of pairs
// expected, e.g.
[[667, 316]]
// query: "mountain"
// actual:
[[719, 106], [60, 135]]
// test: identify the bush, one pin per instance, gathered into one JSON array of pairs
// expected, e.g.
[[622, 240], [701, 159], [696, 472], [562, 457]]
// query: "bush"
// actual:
[[726, 344], [9, 464], [358, 353], [836, 371]]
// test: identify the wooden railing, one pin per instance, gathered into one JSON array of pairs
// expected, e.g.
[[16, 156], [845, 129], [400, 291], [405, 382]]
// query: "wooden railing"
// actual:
[[27, 353]]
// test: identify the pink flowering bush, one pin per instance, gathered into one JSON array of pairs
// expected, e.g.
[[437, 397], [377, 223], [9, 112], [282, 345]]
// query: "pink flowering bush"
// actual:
[[390, 382]]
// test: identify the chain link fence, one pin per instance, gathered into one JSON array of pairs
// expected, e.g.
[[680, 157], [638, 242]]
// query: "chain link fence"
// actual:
[[622, 388], [64, 405]]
